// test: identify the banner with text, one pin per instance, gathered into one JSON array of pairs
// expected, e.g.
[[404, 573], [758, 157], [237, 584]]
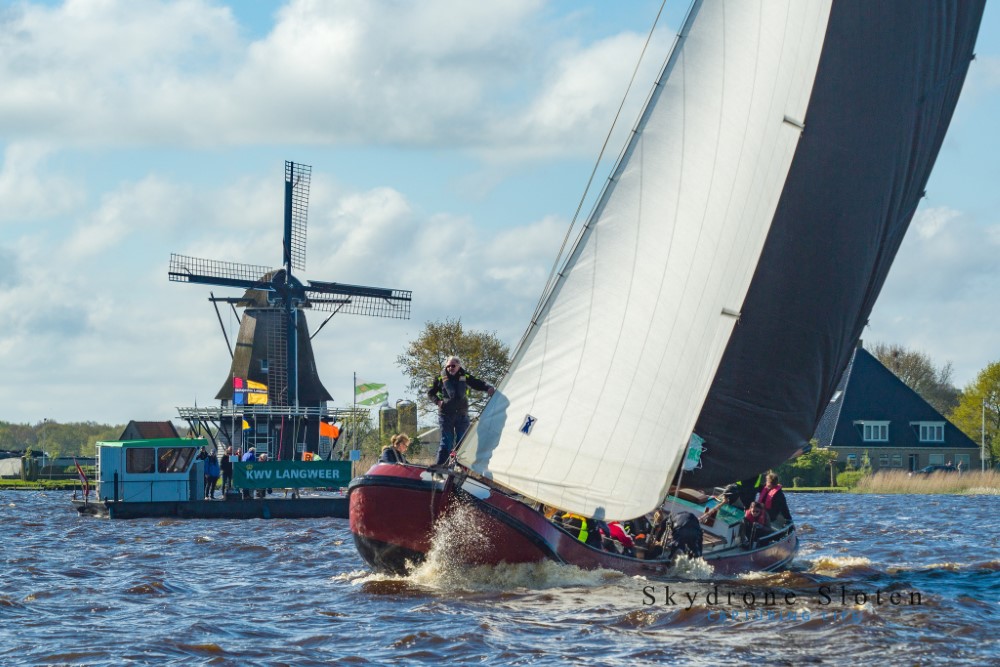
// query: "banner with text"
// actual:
[[248, 392], [291, 474]]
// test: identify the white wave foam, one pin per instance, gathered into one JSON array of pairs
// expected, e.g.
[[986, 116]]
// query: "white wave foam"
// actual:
[[459, 538], [691, 568], [834, 564]]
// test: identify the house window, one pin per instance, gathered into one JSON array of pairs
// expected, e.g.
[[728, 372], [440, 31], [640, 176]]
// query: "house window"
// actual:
[[874, 431], [963, 459], [883, 460], [897, 460], [852, 460], [930, 431], [936, 459]]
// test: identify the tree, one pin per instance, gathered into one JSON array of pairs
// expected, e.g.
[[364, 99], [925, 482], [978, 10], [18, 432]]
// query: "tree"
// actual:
[[482, 354], [979, 404], [812, 468], [919, 373], [55, 439], [360, 433]]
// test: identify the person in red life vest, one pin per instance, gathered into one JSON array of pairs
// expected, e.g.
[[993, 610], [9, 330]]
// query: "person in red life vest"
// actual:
[[756, 515], [617, 533], [773, 500], [755, 524]]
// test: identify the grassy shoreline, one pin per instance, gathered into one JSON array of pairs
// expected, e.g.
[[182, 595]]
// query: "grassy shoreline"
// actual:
[[39, 485], [897, 481]]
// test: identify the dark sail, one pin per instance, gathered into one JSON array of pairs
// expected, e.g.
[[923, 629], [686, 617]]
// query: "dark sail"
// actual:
[[889, 78]]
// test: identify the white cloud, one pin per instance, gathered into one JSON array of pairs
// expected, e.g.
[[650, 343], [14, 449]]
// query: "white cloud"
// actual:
[[940, 292], [145, 205], [438, 73], [929, 223], [86, 301], [95, 312], [27, 190], [584, 91]]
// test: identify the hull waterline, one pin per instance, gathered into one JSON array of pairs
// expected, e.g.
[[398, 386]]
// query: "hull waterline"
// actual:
[[397, 512]]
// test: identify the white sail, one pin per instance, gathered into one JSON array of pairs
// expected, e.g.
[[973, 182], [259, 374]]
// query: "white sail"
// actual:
[[604, 391]]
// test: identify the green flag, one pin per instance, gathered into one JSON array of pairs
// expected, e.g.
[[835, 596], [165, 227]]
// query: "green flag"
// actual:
[[370, 393]]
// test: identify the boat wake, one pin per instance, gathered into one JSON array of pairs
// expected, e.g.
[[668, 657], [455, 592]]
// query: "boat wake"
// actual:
[[460, 540], [840, 566]]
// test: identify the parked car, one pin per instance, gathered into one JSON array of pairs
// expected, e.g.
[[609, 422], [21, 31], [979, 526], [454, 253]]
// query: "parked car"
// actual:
[[930, 470]]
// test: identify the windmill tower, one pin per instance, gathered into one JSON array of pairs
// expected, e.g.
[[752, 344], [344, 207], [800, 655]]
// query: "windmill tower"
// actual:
[[274, 347]]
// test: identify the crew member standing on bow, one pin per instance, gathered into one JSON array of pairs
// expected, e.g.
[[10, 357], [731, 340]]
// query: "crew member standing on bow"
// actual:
[[450, 392]]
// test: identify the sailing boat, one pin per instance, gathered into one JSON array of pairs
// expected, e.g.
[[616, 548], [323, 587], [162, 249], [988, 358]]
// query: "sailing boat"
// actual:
[[714, 295]]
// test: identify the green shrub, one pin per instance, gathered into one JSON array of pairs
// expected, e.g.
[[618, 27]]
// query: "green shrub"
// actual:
[[850, 478]]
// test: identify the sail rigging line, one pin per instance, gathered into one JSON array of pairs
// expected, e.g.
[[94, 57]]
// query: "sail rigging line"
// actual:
[[629, 147], [556, 272]]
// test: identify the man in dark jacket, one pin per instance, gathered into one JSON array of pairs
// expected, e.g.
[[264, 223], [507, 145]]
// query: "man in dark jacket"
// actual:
[[226, 468], [685, 535], [450, 392]]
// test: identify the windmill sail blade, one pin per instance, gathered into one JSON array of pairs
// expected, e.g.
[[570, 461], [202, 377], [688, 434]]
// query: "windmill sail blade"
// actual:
[[358, 300], [297, 180], [185, 269]]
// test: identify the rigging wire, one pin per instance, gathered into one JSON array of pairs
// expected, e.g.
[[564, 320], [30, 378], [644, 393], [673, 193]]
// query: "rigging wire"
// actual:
[[576, 214]]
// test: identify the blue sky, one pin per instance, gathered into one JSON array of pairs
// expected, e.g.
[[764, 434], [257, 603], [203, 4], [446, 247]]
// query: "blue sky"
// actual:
[[450, 144]]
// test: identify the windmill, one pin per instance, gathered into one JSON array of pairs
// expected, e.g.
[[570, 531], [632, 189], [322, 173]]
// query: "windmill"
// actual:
[[273, 346]]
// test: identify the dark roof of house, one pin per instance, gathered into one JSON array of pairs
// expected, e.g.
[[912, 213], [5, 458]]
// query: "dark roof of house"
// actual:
[[135, 430], [868, 391], [828, 422]]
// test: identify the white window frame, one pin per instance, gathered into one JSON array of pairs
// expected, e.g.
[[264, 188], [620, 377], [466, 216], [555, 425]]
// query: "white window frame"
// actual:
[[883, 460], [897, 460], [929, 431], [874, 431]]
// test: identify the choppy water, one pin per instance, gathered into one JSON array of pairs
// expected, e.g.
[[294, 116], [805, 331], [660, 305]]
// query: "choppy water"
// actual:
[[88, 591]]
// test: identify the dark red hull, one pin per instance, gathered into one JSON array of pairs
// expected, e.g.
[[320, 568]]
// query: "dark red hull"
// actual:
[[398, 511]]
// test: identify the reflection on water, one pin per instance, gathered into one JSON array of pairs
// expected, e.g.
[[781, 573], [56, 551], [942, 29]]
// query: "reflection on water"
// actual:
[[897, 579]]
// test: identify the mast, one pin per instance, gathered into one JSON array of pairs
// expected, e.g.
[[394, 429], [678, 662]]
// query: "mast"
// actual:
[[615, 367]]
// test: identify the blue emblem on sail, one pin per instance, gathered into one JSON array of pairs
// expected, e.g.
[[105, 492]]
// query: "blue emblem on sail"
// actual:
[[527, 425]]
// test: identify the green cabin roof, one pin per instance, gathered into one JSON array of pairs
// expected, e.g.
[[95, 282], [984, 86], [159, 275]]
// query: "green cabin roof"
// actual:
[[158, 442]]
